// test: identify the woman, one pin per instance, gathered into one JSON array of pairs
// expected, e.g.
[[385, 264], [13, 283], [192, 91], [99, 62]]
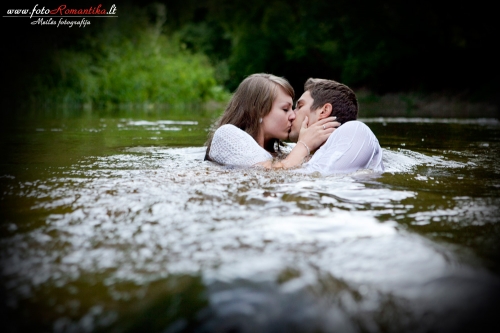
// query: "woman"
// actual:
[[258, 116]]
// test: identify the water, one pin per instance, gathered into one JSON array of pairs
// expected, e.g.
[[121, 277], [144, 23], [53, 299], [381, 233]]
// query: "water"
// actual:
[[114, 223]]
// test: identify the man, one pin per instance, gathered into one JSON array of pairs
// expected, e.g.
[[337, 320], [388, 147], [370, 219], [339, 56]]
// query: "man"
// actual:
[[352, 146]]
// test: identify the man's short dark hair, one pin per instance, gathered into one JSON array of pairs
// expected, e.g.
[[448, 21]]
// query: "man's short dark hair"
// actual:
[[343, 100]]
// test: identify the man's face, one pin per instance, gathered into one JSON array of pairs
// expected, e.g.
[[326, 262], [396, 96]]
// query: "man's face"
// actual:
[[302, 109]]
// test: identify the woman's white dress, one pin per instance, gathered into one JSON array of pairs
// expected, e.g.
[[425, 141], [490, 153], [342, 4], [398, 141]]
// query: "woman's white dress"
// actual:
[[351, 147]]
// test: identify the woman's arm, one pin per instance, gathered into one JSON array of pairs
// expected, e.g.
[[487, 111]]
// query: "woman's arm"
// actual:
[[310, 139]]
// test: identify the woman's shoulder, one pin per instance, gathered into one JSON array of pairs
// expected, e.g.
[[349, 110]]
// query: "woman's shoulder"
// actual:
[[229, 131], [229, 128], [233, 146]]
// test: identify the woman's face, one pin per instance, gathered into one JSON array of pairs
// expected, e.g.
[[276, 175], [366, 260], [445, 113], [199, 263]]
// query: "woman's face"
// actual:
[[277, 123]]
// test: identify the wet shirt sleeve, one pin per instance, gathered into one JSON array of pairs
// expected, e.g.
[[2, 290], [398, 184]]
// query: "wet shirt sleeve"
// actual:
[[352, 147], [232, 146]]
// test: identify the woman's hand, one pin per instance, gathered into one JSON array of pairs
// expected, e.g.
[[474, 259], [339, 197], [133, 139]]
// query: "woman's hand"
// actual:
[[315, 135], [310, 138]]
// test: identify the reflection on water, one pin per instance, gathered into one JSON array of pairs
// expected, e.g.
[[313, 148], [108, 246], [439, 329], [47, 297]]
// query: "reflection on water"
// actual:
[[119, 225]]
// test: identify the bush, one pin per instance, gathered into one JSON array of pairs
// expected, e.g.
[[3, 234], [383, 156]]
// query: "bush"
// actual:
[[129, 61]]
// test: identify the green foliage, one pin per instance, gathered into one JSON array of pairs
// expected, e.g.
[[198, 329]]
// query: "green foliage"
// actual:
[[196, 50], [208, 38], [129, 61], [388, 46]]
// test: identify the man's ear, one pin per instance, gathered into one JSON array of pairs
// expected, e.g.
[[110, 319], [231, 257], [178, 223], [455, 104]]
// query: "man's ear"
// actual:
[[325, 111]]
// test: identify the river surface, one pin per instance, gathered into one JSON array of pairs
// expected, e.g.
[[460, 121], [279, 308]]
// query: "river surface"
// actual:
[[112, 222]]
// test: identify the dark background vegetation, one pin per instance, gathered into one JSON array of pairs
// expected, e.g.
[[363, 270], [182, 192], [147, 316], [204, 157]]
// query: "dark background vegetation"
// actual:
[[428, 47]]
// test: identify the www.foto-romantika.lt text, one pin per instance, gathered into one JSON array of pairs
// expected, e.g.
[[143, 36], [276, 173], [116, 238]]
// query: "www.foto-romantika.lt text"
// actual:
[[64, 11]]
